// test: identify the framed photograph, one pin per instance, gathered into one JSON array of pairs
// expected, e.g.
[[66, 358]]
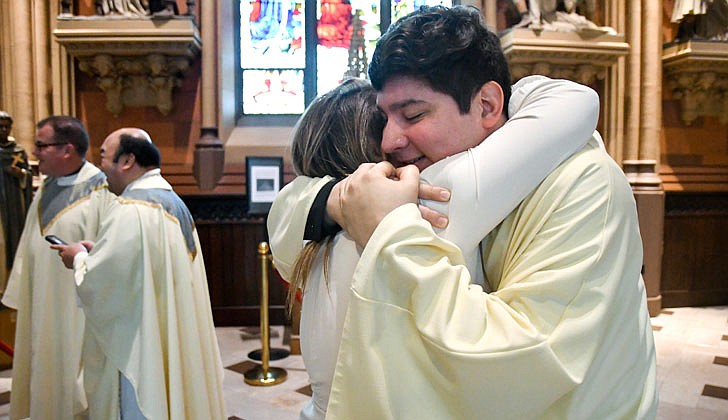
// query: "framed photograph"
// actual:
[[264, 177]]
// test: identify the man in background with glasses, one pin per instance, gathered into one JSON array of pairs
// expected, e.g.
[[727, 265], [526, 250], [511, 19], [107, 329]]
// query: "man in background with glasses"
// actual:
[[47, 381]]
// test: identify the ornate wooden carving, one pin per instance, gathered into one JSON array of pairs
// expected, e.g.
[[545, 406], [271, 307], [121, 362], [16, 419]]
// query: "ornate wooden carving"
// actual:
[[566, 55], [582, 57], [696, 73], [136, 61]]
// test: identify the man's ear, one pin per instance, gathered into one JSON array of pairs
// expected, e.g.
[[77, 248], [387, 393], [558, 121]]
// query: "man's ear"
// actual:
[[491, 99], [69, 149], [129, 161]]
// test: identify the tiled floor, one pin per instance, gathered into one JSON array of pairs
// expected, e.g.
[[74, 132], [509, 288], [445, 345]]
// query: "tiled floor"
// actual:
[[692, 363], [692, 368]]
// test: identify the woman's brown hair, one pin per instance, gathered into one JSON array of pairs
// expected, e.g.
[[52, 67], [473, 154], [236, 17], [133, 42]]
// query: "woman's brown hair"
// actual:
[[338, 131]]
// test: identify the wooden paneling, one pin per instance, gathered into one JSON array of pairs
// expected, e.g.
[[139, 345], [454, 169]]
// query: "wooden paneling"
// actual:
[[693, 265], [229, 241], [694, 257]]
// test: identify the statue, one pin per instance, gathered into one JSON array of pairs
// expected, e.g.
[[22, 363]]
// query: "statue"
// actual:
[[121, 8], [701, 19], [560, 16], [16, 192], [163, 8], [155, 8]]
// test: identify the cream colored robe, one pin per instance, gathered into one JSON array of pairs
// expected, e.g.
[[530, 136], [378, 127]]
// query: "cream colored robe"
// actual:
[[564, 335], [510, 157], [144, 291], [46, 366]]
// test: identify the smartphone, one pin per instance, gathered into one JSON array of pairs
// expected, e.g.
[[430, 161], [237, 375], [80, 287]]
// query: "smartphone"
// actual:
[[55, 240]]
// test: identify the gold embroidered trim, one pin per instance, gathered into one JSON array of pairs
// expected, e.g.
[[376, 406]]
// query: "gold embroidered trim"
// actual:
[[121, 200]]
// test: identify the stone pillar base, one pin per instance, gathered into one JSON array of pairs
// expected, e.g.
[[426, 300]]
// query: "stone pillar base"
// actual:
[[650, 199], [654, 305]]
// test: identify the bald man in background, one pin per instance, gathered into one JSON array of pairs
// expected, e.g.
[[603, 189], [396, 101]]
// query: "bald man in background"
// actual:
[[150, 349]]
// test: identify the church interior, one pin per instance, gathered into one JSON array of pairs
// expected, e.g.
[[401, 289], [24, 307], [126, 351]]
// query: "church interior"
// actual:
[[181, 74]]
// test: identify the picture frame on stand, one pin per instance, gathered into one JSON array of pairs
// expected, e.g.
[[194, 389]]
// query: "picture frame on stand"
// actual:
[[264, 179]]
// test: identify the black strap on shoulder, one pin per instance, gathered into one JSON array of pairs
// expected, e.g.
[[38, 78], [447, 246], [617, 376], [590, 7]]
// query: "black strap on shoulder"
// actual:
[[319, 225]]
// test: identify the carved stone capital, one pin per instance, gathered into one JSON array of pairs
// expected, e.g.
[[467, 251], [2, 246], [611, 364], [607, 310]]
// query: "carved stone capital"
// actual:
[[146, 80], [696, 72], [136, 62], [564, 55]]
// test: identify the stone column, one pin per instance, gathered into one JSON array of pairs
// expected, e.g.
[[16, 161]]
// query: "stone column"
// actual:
[[489, 10], [651, 115], [41, 25], [27, 71], [634, 79], [26, 80], [209, 156], [208, 33], [642, 151], [4, 56]]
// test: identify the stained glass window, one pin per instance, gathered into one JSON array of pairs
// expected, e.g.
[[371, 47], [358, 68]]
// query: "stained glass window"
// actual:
[[285, 64]]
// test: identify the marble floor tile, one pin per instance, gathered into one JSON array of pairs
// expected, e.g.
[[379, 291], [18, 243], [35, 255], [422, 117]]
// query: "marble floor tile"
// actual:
[[687, 340]]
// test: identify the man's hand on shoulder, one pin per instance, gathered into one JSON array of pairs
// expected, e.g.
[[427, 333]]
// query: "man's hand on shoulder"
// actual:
[[369, 194]]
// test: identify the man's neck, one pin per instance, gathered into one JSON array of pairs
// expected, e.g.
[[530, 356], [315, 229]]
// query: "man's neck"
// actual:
[[77, 170], [137, 174]]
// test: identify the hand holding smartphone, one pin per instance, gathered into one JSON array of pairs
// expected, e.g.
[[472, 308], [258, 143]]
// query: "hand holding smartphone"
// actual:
[[55, 240]]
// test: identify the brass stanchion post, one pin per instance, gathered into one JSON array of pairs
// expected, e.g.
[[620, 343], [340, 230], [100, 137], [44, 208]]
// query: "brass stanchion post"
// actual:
[[264, 375]]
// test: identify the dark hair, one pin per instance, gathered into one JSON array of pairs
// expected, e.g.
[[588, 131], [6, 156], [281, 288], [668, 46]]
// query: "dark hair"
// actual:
[[67, 129], [448, 48], [339, 131], [145, 152]]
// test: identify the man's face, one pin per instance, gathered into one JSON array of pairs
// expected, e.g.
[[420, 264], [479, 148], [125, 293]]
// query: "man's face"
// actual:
[[49, 152], [109, 167], [424, 126], [5, 127]]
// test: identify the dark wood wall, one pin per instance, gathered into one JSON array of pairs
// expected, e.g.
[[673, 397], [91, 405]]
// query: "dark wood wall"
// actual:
[[229, 239], [694, 265], [695, 254]]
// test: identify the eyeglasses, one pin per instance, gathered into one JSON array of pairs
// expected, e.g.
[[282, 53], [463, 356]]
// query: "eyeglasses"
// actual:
[[41, 146]]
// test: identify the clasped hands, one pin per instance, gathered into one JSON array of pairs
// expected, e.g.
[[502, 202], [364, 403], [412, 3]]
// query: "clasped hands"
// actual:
[[359, 202]]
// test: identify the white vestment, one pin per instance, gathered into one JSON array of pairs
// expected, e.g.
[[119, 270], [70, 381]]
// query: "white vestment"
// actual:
[[564, 335], [504, 169], [46, 365], [144, 291]]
